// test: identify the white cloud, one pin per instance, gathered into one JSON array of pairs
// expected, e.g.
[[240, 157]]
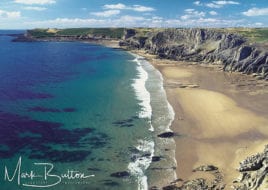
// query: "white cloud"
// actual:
[[192, 13], [65, 23], [226, 2], [256, 12], [157, 18], [37, 2], [213, 5], [128, 20], [115, 6], [120, 6], [213, 13], [35, 8], [135, 21], [258, 24], [204, 22], [107, 13], [212, 23], [124, 21], [189, 10], [140, 8], [9, 14], [220, 4], [198, 3]]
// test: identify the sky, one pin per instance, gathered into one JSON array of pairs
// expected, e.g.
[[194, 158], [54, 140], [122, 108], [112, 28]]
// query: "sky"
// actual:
[[28, 14]]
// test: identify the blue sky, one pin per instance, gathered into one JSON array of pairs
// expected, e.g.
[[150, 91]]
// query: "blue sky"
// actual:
[[27, 14]]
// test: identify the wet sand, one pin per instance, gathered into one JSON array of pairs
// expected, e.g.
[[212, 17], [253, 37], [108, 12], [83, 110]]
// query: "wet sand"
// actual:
[[221, 118]]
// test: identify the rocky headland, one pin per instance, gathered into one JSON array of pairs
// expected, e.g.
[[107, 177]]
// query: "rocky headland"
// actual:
[[209, 46]]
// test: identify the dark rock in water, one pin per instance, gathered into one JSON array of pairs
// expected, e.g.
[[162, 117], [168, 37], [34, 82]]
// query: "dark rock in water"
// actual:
[[124, 123], [170, 187], [134, 157], [166, 135], [123, 174], [134, 117], [43, 109], [147, 155], [69, 109], [111, 184], [133, 150], [206, 168], [156, 158], [127, 125], [94, 169]]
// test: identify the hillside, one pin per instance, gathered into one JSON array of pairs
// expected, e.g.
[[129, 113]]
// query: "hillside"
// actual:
[[235, 49], [76, 33]]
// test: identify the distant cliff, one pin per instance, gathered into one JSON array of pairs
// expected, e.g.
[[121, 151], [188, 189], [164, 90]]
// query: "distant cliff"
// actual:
[[201, 45], [214, 46], [71, 34]]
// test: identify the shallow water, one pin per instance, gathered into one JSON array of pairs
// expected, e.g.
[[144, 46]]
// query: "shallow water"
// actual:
[[83, 109]]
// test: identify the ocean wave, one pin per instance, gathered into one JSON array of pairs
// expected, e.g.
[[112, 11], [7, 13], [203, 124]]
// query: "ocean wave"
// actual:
[[145, 147], [151, 94], [142, 93], [142, 162], [163, 116]]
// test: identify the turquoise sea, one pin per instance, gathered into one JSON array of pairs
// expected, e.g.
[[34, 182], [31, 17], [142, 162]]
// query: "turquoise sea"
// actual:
[[81, 116]]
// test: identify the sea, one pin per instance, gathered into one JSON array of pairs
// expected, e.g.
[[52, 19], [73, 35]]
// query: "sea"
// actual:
[[81, 116]]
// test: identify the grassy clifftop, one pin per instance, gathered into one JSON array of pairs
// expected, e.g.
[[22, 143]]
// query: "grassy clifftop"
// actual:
[[115, 33], [252, 34]]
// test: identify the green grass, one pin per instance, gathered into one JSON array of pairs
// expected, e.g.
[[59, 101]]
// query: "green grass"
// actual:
[[103, 32], [258, 35], [252, 34], [40, 33]]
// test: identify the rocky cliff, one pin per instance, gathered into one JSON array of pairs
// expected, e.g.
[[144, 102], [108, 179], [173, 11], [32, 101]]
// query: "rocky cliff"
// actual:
[[253, 176], [201, 45]]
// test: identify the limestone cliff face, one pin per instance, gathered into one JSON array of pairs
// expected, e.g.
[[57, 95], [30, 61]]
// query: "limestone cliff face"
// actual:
[[201, 45]]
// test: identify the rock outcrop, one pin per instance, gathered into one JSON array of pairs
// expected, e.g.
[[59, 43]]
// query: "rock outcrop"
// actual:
[[253, 171], [200, 183], [201, 45], [253, 176]]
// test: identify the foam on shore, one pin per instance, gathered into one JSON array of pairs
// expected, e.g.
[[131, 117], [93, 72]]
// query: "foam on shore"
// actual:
[[142, 163], [159, 114]]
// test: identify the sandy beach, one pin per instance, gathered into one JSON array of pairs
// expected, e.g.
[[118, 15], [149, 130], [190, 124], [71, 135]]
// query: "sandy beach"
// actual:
[[221, 118]]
